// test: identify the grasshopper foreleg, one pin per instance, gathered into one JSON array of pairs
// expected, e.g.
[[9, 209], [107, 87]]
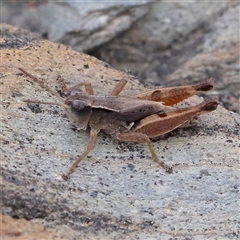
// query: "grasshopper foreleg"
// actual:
[[91, 144]]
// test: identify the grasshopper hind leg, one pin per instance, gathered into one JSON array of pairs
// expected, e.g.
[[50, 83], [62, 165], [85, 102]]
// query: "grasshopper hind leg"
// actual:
[[140, 137], [172, 95]]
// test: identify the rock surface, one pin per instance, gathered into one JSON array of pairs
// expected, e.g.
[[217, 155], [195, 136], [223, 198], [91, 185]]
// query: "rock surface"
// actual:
[[12, 229], [178, 43], [118, 191], [162, 43], [83, 26]]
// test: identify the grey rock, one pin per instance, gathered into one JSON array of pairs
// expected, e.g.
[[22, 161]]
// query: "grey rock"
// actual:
[[162, 43], [220, 34], [81, 25], [118, 191], [167, 30], [178, 43]]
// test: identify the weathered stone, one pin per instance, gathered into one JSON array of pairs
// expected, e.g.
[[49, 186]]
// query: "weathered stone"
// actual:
[[106, 198], [83, 26]]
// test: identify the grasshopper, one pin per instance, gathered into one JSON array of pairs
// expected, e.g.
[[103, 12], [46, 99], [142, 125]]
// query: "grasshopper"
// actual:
[[137, 119]]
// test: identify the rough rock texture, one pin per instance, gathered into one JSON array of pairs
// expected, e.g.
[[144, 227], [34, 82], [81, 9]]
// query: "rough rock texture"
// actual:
[[178, 43], [118, 191], [161, 42], [83, 26], [22, 229]]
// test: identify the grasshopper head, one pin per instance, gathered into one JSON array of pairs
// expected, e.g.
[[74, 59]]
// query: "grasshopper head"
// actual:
[[77, 109]]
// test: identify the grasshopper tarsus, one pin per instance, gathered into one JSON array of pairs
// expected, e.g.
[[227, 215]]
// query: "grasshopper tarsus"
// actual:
[[169, 170], [65, 177], [205, 85]]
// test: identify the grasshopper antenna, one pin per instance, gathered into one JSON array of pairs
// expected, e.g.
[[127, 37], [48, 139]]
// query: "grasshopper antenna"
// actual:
[[39, 102], [44, 86]]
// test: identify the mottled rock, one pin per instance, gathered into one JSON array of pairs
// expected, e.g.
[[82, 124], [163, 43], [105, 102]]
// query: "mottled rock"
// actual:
[[81, 25], [162, 43], [118, 191]]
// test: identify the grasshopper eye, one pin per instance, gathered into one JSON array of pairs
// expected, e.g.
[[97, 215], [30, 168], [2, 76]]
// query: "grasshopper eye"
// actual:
[[80, 108]]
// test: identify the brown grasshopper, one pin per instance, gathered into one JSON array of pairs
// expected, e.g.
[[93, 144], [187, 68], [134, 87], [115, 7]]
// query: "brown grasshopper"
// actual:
[[136, 119]]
